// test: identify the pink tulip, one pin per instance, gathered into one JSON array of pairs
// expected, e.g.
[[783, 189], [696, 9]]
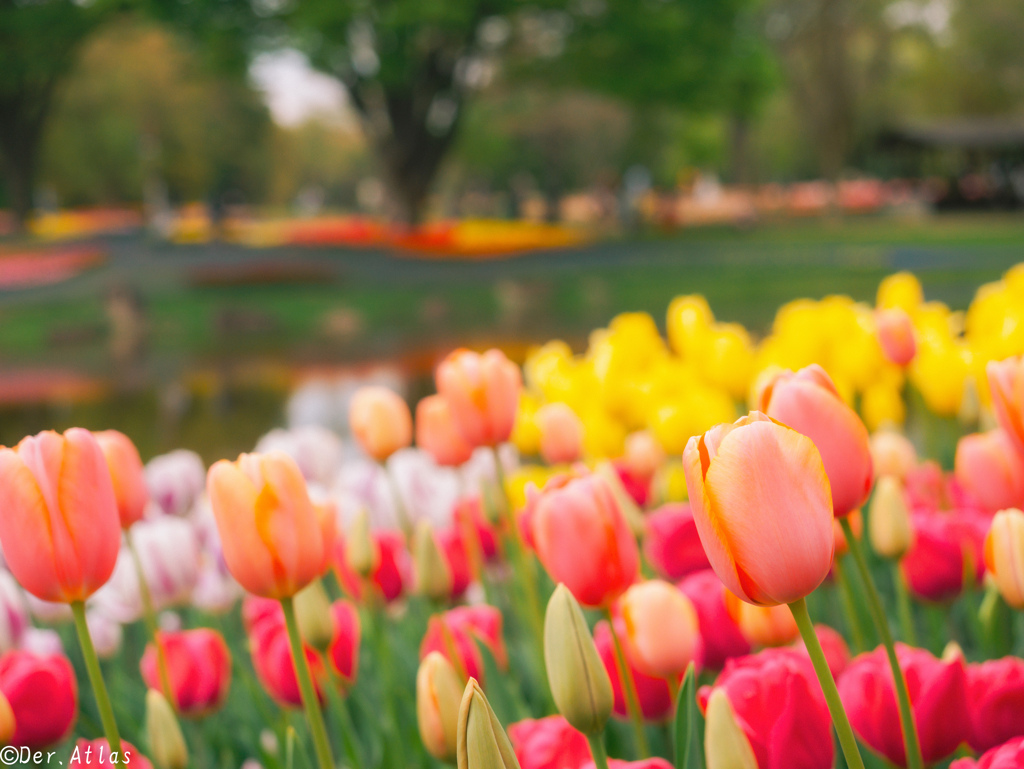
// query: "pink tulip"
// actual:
[[380, 421], [199, 668], [1009, 755], [127, 474], [453, 547], [604, 559], [97, 753], [837, 653], [1006, 381], [927, 487], [808, 402], [43, 694], [176, 480], [644, 763], [60, 529], [271, 653], [468, 518], [778, 704], [459, 631], [995, 695], [483, 394], [761, 501], [720, 635], [548, 743], [654, 693], [896, 335], [437, 434], [343, 652], [938, 696], [934, 565], [672, 543], [991, 470], [392, 572], [561, 433]]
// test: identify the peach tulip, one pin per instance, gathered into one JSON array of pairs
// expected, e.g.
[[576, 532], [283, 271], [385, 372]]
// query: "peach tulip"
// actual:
[[989, 467], [380, 421], [561, 433], [127, 474], [808, 402], [761, 500], [662, 629], [762, 625], [437, 434], [1004, 555], [896, 335], [1006, 381], [582, 539], [643, 455], [275, 540], [483, 394], [59, 529], [892, 454]]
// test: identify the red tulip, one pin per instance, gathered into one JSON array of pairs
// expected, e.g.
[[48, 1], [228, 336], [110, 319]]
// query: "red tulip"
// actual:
[[1009, 755], [638, 487], [934, 565], [721, 636], [654, 694], [468, 518], [671, 542], [644, 763], [199, 668], [1006, 381], [777, 703], [991, 469], [97, 753], [60, 529], [896, 335], [604, 559], [482, 392], [808, 402], [271, 654], [456, 633], [437, 434], [938, 696], [343, 653], [995, 695], [454, 549], [127, 474], [548, 743], [43, 694], [391, 574]]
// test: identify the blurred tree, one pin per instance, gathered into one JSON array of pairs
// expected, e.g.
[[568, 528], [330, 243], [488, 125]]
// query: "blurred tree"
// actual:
[[39, 41]]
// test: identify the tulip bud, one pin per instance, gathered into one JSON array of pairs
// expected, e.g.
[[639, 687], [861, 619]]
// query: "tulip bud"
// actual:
[[481, 742], [360, 550], [433, 576], [889, 519], [579, 683], [7, 724], [1004, 555], [725, 744], [438, 699], [313, 612], [166, 743]]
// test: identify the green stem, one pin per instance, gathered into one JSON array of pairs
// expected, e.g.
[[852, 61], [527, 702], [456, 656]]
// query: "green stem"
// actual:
[[910, 740], [629, 691], [849, 606], [906, 611], [828, 685], [149, 616], [309, 699], [597, 750], [99, 688], [383, 658], [337, 702]]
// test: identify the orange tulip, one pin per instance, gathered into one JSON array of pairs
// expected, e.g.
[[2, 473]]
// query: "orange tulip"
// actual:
[[1004, 555], [662, 629], [483, 394], [437, 434], [127, 473], [896, 335], [808, 402], [380, 421], [989, 467], [1006, 381], [275, 540], [761, 501], [59, 526], [561, 433], [762, 625]]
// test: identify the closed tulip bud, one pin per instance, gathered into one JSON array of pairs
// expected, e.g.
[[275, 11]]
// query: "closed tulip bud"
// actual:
[[7, 725], [380, 421], [809, 402], [896, 335], [892, 454], [437, 434], [361, 553], [1006, 382], [1004, 555], [438, 699], [127, 474], [762, 625], [561, 433], [991, 470], [60, 529], [432, 575], [662, 629], [166, 742], [889, 526], [481, 743], [579, 683], [313, 612], [483, 394], [643, 454], [275, 540], [725, 744], [760, 497]]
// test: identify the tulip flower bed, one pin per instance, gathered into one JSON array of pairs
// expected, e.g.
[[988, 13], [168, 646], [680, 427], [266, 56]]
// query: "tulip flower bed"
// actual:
[[592, 561]]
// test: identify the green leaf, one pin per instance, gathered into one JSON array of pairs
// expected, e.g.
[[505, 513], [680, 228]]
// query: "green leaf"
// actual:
[[688, 730]]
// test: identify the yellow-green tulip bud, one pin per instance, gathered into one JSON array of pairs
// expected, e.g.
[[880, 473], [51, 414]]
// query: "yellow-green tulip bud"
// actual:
[[889, 527], [579, 682], [481, 743], [166, 742], [313, 612], [433, 576], [725, 744], [439, 693], [360, 549]]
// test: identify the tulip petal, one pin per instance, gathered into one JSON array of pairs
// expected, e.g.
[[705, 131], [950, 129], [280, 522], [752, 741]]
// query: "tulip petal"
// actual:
[[233, 498]]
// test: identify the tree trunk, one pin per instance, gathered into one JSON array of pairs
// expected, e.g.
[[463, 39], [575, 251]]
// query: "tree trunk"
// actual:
[[19, 162]]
